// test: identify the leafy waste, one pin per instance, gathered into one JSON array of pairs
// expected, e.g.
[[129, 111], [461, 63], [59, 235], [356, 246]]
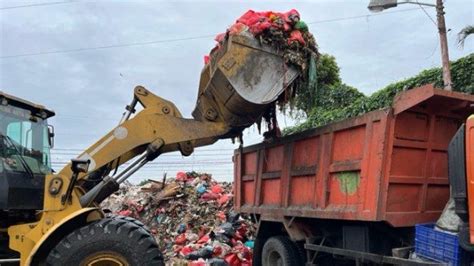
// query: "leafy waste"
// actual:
[[191, 219], [340, 101]]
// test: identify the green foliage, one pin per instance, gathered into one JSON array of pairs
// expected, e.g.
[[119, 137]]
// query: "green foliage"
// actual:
[[340, 101], [464, 33], [327, 75]]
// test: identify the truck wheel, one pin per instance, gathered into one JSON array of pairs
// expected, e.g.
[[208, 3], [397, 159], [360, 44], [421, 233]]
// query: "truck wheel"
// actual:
[[301, 251], [111, 241], [281, 251], [463, 237], [257, 251]]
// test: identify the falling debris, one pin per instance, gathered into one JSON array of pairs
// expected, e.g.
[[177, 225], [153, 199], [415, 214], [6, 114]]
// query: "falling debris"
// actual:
[[190, 217]]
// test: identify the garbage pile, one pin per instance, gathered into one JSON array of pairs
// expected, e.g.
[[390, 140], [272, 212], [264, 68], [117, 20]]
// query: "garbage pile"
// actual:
[[190, 217], [286, 32]]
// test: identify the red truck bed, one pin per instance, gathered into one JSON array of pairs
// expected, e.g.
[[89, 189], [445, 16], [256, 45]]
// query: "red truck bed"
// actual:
[[387, 165]]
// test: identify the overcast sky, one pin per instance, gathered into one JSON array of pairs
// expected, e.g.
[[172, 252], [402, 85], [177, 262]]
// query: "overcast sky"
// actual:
[[89, 89]]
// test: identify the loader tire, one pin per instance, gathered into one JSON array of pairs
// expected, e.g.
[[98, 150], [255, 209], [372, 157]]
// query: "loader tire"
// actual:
[[110, 241], [131, 220], [280, 250]]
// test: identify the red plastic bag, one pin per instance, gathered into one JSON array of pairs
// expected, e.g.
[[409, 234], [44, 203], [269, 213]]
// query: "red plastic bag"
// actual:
[[217, 189], [292, 16], [203, 239], [224, 199], [221, 216], [237, 28], [125, 213], [180, 239], [259, 27], [220, 37], [232, 260], [209, 196], [186, 250], [296, 36], [217, 251], [181, 176], [250, 18]]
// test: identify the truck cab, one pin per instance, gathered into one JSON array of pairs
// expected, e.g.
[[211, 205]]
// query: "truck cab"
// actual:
[[25, 142]]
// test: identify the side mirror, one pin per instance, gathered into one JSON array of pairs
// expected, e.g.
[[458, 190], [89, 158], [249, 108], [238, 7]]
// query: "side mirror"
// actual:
[[51, 136], [80, 166]]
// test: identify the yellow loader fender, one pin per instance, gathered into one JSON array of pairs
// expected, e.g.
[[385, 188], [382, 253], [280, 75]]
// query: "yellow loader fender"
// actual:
[[40, 249]]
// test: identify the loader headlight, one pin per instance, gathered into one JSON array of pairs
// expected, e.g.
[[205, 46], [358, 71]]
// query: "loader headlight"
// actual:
[[79, 165]]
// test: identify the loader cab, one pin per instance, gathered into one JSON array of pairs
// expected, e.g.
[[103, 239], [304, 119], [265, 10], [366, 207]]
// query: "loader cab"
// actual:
[[25, 142]]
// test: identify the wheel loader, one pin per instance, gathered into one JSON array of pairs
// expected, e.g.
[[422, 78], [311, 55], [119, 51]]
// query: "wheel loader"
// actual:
[[54, 218]]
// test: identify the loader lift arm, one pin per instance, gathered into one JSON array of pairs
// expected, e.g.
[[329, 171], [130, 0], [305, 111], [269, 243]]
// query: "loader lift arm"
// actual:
[[242, 81], [157, 129]]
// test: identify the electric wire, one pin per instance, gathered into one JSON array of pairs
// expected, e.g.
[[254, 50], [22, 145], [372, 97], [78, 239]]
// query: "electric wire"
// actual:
[[170, 40], [426, 13], [38, 4]]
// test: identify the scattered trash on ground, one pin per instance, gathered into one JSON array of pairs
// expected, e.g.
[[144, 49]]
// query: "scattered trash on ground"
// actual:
[[191, 218]]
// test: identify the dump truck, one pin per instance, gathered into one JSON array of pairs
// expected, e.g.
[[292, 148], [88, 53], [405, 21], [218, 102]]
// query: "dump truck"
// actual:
[[54, 218], [361, 190]]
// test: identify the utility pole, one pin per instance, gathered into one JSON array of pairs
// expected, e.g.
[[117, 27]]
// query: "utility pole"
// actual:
[[380, 5], [444, 45]]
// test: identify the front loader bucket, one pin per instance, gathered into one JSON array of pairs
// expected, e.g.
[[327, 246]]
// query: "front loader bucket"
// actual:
[[241, 80]]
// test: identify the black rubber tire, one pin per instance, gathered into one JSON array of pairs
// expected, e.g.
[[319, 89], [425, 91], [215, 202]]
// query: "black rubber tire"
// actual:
[[113, 234], [301, 251], [463, 237], [129, 219], [257, 251], [281, 249]]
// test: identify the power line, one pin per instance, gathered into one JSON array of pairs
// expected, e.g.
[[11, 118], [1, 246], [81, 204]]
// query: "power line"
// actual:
[[361, 16], [39, 4], [109, 46], [426, 13], [180, 39]]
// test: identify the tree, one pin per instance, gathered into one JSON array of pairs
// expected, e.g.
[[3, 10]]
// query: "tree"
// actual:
[[464, 33], [327, 73]]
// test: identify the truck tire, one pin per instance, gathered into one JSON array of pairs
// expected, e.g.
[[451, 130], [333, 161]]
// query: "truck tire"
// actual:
[[110, 241], [280, 250], [301, 251], [257, 251], [463, 237]]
